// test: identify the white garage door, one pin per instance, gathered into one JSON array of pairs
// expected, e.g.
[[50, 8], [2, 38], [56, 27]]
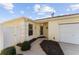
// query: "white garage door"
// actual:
[[69, 33]]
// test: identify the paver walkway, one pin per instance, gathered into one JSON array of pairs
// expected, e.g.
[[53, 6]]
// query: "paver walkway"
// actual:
[[35, 48]]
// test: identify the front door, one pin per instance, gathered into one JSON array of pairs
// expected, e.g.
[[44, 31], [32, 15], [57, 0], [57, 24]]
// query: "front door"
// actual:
[[41, 30]]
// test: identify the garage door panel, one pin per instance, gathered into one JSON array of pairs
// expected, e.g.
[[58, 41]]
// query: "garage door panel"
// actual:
[[69, 33]]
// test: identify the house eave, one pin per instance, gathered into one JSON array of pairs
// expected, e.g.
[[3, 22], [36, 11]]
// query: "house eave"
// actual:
[[57, 18]]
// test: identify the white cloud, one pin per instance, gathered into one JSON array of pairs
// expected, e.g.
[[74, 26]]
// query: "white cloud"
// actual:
[[41, 13], [37, 8], [43, 9], [73, 7], [22, 12], [47, 9], [8, 6]]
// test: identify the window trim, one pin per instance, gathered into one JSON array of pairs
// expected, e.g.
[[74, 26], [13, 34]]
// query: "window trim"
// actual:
[[30, 29]]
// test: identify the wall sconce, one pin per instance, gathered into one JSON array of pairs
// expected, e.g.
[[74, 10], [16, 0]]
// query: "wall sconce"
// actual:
[[41, 24], [53, 37]]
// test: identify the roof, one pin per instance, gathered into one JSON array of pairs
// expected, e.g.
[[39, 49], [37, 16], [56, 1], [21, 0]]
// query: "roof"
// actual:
[[10, 20], [57, 17], [23, 19]]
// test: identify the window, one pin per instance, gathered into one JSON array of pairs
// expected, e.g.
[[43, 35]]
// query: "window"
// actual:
[[30, 29], [41, 30]]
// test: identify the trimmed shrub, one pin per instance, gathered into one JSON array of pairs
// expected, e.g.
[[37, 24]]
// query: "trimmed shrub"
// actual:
[[25, 46], [8, 51]]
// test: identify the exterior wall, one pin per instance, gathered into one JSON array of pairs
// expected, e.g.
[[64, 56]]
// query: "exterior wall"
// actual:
[[45, 29], [16, 31], [13, 32], [1, 40], [53, 30]]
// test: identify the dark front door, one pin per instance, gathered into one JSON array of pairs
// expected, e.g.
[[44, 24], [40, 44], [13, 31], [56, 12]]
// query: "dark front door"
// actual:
[[41, 30]]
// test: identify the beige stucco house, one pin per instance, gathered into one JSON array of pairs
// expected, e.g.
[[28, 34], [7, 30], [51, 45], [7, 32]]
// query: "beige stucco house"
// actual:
[[60, 28]]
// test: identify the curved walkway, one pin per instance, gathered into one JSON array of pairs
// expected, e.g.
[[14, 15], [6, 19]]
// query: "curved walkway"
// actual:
[[35, 48]]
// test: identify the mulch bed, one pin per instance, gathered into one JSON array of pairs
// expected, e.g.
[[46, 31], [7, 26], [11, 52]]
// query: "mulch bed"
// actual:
[[32, 40], [41, 37], [51, 47]]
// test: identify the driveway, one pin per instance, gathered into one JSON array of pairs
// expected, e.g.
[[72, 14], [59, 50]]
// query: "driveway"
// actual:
[[70, 49]]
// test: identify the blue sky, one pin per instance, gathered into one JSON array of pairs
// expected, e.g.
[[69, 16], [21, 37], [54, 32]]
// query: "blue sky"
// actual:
[[36, 10]]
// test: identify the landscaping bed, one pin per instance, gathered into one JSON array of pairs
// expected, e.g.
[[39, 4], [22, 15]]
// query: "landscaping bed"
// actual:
[[41, 37], [51, 47], [32, 40]]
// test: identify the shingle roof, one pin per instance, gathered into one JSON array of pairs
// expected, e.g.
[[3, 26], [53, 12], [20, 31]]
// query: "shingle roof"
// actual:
[[59, 16]]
